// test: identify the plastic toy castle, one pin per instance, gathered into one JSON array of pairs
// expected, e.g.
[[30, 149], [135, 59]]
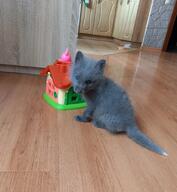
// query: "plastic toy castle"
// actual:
[[59, 91]]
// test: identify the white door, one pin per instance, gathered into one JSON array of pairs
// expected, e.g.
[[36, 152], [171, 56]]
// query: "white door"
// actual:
[[125, 19], [104, 17]]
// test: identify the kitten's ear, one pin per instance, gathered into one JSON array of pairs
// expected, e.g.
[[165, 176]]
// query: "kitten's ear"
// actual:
[[100, 65], [79, 57]]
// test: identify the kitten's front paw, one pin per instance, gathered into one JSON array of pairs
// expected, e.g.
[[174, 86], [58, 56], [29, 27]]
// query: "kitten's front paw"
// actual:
[[81, 118]]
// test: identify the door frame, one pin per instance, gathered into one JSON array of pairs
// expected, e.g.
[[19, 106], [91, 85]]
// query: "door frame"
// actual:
[[170, 28]]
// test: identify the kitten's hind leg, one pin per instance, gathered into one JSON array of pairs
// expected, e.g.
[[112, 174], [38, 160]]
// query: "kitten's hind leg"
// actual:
[[98, 124], [112, 123]]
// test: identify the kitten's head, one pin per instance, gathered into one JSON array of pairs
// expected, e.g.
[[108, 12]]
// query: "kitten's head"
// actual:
[[87, 73]]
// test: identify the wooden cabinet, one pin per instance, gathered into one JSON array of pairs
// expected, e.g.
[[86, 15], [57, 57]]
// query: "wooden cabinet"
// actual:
[[35, 32], [125, 19], [9, 32], [99, 18], [121, 19], [103, 15]]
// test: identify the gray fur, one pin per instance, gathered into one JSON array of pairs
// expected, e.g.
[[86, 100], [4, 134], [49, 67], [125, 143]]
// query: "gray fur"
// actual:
[[108, 104]]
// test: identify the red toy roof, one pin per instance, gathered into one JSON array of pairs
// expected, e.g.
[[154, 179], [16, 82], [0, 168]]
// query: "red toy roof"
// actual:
[[59, 73]]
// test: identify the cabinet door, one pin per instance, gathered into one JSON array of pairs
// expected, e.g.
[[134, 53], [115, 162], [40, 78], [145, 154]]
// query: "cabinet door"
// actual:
[[87, 18], [119, 19], [125, 19], [35, 32], [104, 17], [9, 32]]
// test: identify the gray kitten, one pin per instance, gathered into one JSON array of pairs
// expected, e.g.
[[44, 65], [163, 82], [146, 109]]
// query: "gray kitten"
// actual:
[[108, 104]]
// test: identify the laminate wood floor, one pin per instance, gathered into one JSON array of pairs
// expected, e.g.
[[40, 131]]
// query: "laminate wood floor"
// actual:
[[43, 150], [103, 47]]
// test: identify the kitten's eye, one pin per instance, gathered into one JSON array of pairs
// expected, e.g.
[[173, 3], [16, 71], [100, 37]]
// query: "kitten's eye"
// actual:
[[88, 82]]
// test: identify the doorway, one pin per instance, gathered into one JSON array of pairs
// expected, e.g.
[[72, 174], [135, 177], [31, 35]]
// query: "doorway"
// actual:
[[170, 43], [172, 46], [112, 26]]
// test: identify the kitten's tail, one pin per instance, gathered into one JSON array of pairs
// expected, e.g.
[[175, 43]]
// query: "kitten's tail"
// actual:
[[136, 135]]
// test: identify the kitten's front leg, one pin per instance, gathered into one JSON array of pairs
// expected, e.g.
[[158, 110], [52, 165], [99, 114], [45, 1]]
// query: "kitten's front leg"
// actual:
[[86, 117]]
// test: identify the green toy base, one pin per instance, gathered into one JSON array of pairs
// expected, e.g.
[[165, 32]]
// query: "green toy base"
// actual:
[[63, 107]]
